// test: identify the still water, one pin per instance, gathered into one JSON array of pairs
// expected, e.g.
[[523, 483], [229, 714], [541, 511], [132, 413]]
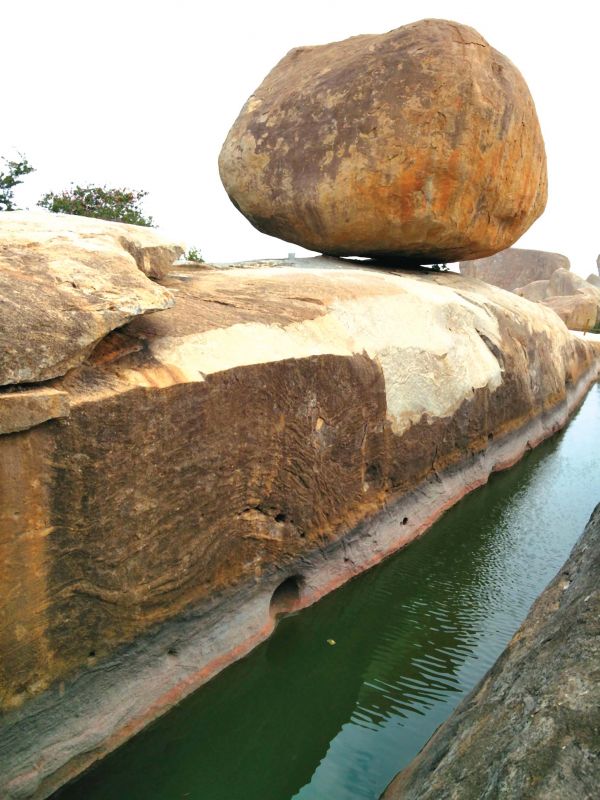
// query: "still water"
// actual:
[[304, 718]]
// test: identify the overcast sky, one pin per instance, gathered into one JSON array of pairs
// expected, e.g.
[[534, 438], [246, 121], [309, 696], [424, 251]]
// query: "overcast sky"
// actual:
[[142, 94]]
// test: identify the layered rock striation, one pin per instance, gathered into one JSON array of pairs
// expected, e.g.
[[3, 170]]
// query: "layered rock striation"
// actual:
[[422, 143], [530, 728], [278, 423]]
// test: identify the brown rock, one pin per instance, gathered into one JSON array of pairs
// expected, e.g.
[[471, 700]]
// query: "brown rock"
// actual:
[[20, 410], [515, 267], [65, 282], [213, 450], [422, 143], [579, 312]]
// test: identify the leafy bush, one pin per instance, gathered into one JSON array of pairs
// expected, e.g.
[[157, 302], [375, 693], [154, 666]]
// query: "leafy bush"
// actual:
[[10, 179], [116, 205], [193, 254]]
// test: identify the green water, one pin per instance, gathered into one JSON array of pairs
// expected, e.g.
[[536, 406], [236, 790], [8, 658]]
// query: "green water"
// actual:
[[300, 718]]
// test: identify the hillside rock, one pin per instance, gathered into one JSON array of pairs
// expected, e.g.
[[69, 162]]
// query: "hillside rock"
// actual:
[[530, 728], [515, 267], [65, 282], [301, 420], [422, 143]]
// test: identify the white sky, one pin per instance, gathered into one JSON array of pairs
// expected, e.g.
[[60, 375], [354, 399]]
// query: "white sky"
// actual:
[[142, 94]]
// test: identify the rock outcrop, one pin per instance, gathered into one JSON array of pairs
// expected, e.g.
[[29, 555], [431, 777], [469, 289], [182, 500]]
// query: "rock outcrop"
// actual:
[[542, 278], [515, 267], [576, 301], [594, 280], [579, 312], [422, 143], [296, 422], [530, 728], [65, 282]]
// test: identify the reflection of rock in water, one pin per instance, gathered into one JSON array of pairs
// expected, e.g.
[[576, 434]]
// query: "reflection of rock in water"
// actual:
[[531, 725]]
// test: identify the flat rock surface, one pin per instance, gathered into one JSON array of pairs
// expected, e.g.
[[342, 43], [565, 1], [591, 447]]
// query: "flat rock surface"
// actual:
[[65, 282], [515, 267], [422, 142], [531, 728]]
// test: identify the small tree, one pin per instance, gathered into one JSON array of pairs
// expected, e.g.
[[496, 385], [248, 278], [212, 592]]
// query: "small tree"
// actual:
[[10, 179], [193, 254], [116, 205]]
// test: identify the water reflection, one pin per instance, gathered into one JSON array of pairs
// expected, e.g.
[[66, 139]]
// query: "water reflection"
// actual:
[[301, 718]]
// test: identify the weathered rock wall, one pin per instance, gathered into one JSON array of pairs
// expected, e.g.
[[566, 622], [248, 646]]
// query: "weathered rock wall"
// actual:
[[303, 420], [530, 727]]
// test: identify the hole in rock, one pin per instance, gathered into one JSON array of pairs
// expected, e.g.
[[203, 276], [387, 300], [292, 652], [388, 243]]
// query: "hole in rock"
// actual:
[[92, 654], [286, 596], [281, 517], [405, 521]]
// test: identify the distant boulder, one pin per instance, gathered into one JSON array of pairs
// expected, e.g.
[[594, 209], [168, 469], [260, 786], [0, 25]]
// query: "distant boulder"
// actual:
[[579, 312], [535, 291], [594, 280], [575, 300], [421, 144], [563, 283], [515, 267]]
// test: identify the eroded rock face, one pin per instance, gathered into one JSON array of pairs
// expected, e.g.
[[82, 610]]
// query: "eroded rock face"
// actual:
[[65, 282], [515, 267], [530, 728], [216, 448], [422, 142]]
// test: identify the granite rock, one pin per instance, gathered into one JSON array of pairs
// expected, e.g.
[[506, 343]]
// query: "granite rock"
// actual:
[[263, 427], [579, 312], [421, 143], [65, 282]]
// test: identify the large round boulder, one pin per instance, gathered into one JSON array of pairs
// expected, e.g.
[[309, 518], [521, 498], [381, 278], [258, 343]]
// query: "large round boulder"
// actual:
[[422, 143]]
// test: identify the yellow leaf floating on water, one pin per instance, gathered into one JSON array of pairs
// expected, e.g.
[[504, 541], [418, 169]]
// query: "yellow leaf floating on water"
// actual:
[[331, 641]]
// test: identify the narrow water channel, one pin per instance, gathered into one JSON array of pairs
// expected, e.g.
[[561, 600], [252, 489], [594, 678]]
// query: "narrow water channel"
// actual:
[[303, 717]]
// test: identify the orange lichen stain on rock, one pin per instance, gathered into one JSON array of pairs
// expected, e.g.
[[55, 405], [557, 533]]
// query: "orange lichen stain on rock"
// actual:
[[24, 527]]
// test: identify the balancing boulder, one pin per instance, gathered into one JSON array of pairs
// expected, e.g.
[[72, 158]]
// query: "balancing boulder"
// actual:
[[420, 144]]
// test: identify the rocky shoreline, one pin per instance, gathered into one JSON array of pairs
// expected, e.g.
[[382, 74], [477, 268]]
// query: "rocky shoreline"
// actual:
[[530, 728]]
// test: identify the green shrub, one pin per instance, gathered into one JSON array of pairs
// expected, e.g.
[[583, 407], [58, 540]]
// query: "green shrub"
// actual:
[[193, 254], [10, 179], [116, 205]]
